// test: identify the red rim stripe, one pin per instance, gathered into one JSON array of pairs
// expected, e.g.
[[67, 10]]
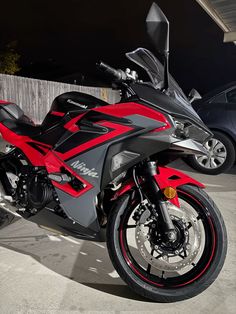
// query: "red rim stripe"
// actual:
[[213, 249], [130, 263], [161, 285]]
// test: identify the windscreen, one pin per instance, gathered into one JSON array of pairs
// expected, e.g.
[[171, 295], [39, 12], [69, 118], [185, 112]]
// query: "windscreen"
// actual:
[[154, 68]]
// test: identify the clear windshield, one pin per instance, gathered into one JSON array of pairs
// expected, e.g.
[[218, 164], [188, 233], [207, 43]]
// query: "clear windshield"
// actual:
[[154, 68]]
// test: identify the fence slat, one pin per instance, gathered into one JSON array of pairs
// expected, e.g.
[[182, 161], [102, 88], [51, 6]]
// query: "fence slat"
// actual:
[[35, 96]]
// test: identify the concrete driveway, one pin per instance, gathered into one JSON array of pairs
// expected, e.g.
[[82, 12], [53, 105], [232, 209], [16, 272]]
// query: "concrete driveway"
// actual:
[[46, 273]]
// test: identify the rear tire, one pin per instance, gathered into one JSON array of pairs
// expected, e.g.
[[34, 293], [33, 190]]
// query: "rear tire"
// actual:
[[139, 283]]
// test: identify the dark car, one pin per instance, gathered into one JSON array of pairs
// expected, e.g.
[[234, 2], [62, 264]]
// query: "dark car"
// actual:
[[218, 111]]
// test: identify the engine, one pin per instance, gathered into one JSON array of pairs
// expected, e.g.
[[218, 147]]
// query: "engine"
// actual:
[[34, 191]]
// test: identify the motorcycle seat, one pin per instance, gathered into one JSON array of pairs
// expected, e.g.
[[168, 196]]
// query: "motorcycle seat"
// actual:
[[21, 128], [10, 110], [13, 117]]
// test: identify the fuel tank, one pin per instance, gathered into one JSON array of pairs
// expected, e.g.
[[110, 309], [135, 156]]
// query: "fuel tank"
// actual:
[[73, 103]]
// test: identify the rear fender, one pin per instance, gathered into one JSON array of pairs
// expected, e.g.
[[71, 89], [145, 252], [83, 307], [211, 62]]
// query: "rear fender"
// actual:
[[165, 177]]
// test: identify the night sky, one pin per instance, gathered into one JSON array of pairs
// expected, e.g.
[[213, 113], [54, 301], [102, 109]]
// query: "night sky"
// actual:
[[62, 40]]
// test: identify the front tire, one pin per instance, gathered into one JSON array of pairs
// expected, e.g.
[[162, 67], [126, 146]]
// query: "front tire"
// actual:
[[183, 286]]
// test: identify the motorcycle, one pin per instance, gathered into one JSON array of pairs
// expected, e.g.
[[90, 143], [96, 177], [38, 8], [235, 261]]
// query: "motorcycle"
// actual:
[[97, 171]]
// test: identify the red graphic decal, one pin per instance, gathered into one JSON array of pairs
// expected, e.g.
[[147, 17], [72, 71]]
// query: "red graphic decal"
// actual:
[[71, 125], [118, 130], [57, 113], [128, 109]]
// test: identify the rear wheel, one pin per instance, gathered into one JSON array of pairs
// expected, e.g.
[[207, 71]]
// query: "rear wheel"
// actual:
[[162, 271]]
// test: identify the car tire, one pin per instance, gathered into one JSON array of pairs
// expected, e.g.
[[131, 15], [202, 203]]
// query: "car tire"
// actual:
[[226, 165]]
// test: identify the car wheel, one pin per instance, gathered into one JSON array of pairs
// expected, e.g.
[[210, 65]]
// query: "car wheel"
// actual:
[[220, 159]]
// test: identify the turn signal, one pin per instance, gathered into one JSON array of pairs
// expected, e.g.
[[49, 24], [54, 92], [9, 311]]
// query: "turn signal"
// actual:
[[170, 192]]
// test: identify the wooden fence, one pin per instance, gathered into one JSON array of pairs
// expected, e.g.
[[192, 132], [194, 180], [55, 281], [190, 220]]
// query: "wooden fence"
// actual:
[[35, 96]]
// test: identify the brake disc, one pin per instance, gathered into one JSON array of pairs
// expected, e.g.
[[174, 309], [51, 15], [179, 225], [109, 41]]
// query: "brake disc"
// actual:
[[167, 261]]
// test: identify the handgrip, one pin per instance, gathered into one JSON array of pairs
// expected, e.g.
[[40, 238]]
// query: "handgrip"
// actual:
[[117, 74]]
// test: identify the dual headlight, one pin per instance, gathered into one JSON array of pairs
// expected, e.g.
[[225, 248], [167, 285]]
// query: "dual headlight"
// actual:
[[185, 129]]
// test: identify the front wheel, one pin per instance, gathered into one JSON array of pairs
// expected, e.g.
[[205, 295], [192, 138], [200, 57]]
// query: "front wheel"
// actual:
[[164, 271]]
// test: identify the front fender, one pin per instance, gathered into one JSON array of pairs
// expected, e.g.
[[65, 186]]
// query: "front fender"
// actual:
[[165, 177]]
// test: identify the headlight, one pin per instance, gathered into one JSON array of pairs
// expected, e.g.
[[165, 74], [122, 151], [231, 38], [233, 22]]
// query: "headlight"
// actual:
[[186, 129]]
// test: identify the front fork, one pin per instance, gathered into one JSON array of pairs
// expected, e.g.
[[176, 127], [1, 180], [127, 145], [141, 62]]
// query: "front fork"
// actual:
[[158, 200]]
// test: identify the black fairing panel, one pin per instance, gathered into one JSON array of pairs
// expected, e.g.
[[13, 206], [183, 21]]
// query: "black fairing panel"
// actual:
[[167, 104], [50, 220], [50, 120], [52, 135]]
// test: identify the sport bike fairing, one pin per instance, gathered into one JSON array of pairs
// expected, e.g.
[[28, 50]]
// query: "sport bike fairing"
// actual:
[[81, 135], [86, 146], [89, 154], [176, 102]]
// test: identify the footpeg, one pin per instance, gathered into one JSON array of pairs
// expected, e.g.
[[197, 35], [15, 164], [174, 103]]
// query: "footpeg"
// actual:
[[61, 178]]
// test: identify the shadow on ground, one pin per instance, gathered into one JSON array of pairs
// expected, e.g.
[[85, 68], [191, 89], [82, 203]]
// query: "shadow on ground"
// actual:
[[84, 262]]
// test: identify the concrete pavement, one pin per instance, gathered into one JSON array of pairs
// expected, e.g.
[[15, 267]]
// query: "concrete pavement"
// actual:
[[46, 273]]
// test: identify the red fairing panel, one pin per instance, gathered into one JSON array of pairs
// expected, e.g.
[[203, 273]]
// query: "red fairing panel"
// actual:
[[20, 141], [166, 177], [174, 178], [127, 109]]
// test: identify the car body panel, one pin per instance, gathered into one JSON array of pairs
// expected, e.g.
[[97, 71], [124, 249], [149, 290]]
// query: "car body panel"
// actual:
[[216, 112]]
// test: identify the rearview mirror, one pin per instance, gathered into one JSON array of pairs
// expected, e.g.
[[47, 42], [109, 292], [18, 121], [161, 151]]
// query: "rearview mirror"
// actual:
[[158, 29], [194, 95]]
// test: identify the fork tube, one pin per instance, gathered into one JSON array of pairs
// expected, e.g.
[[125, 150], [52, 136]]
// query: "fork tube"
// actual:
[[156, 198]]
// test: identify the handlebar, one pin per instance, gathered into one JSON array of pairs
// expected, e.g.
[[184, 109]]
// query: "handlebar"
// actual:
[[118, 75]]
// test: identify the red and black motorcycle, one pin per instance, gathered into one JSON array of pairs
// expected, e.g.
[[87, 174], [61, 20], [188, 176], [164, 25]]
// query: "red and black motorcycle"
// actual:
[[97, 171]]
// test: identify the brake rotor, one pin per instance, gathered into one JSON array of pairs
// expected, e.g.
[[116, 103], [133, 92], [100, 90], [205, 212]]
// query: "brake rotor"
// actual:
[[164, 260]]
